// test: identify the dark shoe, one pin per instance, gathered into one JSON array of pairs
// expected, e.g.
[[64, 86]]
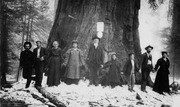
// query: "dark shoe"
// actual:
[[7, 85], [27, 86], [130, 90], [144, 91], [133, 90], [138, 97]]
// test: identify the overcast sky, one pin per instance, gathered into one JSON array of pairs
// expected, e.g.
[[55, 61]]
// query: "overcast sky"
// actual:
[[151, 23]]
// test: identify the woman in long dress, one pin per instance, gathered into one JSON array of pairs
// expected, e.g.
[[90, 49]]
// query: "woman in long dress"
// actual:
[[113, 77], [74, 61], [162, 78], [54, 65]]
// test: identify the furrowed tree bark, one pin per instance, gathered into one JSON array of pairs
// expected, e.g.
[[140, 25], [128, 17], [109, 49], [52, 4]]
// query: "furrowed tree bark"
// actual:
[[4, 33], [77, 19], [1, 1], [176, 35]]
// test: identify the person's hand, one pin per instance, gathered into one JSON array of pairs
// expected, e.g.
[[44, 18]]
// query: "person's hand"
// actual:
[[102, 66], [140, 71], [153, 70], [42, 58], [63, 64], [21, 67], [122, 73]]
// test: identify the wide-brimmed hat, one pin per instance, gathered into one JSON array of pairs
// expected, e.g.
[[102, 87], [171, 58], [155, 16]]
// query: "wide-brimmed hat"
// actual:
[[95, 37], [113, 53], [74, 41], [149, 46]]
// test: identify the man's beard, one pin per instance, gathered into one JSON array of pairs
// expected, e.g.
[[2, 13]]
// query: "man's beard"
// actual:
[[148, 51]]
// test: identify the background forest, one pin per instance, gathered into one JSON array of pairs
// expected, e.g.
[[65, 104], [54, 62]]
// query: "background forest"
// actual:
[[23, 20]]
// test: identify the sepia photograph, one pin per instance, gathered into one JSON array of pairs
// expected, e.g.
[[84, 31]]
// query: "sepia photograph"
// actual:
[[89, 53]]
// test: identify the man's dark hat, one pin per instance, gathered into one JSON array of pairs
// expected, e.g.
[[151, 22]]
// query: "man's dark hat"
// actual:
[[149, 47], [95, 37], [131, 53], [74, 41], [164, 52]]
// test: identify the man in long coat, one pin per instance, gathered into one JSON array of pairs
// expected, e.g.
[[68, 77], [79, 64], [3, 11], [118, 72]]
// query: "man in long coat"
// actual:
[[40, 56], [27, 62], [95, 60], [146, 68], [74, 60]]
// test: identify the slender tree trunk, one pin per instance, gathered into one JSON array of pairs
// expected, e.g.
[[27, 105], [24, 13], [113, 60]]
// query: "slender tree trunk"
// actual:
[[31, 23]]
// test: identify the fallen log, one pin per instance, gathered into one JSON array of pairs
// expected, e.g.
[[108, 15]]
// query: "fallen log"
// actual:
[[51, 97]]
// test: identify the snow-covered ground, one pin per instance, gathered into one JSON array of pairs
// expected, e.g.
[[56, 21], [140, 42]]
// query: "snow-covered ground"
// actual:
[[19, 93], [83, 95]]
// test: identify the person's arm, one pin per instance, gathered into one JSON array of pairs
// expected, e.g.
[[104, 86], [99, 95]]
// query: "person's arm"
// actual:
[[88, 55], [107, 64], [81, 56], [137, 66], [157, 65], [102, 56], [168, 65], [125, 68], [119, 68], [67, 55], [45, 53], [142, 60], [34, 51], [152, 64], [21, 60], [33, 59]]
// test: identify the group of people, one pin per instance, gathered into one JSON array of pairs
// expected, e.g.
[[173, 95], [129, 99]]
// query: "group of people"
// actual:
[[73, 61]]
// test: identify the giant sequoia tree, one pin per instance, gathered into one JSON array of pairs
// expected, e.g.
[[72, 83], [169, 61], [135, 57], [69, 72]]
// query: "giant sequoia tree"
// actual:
[[76, 19], [0, 39], [175, 37]]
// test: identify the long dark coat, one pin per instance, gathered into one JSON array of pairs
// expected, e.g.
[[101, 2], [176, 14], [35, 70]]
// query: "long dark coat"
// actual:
[[54, 64], [39, 65], [95, 60], [162, 80], [27, 63], [128, 67], [95, 55], [113, 75], [146, 69]]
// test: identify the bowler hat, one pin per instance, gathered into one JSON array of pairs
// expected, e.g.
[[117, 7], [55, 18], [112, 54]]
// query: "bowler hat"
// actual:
[[95, 37], [164, 52], [113, 53], [149, 47]]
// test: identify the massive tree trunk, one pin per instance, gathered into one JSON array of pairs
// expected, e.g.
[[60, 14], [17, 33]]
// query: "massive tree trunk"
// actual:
[[176, 35], [76, 19], [3, 48], [0, 40]]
